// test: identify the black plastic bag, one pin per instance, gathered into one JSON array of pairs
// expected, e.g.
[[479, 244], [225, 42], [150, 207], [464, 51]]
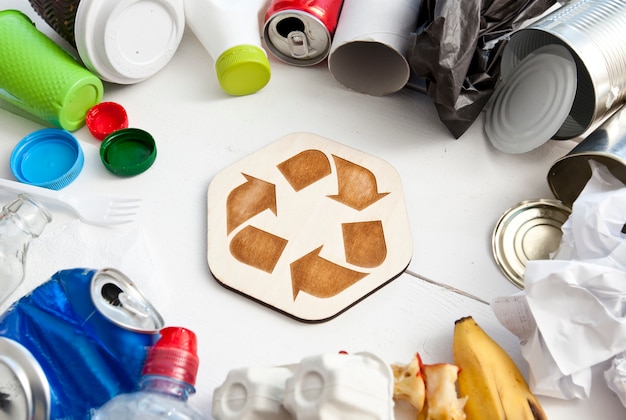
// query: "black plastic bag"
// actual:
[[457, 52]]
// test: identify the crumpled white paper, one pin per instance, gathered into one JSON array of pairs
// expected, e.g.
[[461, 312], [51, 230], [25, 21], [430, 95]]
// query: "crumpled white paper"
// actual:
[[616, 377], [572, 313]]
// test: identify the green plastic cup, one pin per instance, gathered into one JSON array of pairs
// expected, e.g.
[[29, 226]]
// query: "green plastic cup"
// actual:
[[40, 78]]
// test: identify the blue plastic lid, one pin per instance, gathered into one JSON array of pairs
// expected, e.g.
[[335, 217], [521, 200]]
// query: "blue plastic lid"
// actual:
[[50, 158]]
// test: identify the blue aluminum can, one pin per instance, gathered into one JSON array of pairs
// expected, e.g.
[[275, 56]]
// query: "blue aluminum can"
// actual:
[[81, 338]]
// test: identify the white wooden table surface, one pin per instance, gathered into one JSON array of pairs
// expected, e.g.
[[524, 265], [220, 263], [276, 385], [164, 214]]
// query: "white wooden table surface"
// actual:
[[455, 191]]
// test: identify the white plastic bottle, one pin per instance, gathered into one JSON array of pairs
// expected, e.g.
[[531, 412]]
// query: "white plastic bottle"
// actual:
[[168, 378], [126, 42], [230, 32]]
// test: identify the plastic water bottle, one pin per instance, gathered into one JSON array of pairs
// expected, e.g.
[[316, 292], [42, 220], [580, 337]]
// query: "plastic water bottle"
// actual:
[[168, 379], [20, 222]]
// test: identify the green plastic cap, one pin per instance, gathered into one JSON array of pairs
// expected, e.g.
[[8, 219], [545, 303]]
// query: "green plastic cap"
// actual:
[[243, 69], [128, 152]]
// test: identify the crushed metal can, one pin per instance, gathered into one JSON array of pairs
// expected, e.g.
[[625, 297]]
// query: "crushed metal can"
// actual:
[[73, 343]]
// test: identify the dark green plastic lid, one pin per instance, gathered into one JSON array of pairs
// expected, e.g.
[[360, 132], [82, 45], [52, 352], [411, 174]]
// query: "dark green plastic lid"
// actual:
[[128, 152]]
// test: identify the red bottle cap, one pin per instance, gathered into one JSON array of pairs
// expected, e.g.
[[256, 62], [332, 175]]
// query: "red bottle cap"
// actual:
[[174, 355], [105, 118]]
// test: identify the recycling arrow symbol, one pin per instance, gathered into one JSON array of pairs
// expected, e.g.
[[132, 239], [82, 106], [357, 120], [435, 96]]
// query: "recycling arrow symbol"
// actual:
[[304, 226], [317, 276]]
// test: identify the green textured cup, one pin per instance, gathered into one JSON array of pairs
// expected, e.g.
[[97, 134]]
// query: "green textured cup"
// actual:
[[40, 78]]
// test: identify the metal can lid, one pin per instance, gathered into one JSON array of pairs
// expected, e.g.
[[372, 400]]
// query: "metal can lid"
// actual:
[[530, 106], [297, 38], [117, 298], [24, 388], [128, 152], [50, 158], [530, 230]]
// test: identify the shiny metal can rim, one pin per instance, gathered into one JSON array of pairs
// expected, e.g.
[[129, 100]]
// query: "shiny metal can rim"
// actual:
[[310, 21], [578, 179], [35, 388], [123, 282], [507, 243]]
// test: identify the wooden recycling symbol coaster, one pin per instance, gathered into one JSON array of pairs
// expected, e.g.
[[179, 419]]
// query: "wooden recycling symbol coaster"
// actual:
[[307, 226]]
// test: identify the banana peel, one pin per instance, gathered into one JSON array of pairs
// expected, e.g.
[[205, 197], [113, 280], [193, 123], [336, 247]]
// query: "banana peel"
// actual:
[[493, 384]]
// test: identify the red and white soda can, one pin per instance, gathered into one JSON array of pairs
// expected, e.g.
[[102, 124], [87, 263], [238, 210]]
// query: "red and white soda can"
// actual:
[[300, 32]]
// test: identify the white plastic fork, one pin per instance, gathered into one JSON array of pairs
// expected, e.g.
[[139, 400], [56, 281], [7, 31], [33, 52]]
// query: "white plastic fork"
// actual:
[[95, 210]]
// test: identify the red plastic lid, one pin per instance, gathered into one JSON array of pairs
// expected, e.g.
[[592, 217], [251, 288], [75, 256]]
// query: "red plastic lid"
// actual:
[[175, 355], [105, 118]]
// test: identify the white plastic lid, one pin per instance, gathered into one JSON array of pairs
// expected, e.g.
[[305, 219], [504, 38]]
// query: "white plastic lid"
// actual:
[[530, 106], [128, 41]]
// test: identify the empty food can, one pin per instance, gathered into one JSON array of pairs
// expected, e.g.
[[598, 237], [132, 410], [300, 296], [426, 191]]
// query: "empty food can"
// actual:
[[593, 32], [569, 175]]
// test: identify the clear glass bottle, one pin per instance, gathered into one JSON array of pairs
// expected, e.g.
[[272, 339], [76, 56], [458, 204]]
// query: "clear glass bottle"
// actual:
[[168, 379], [21, 221]]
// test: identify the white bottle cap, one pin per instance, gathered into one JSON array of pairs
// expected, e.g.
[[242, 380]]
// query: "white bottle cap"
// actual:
[[128, 41]]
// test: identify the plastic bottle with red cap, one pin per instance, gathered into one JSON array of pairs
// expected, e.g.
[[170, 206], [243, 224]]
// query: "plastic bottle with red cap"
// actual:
[[168, 379]]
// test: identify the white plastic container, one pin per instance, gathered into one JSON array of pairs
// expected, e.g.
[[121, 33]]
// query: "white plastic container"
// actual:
[[128, 41], [328, 386], [254, 393], [341, 386], [230, 31]]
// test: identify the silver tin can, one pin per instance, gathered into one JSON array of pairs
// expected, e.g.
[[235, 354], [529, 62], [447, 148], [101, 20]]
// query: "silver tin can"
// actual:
[[593, 31], [569, 175]]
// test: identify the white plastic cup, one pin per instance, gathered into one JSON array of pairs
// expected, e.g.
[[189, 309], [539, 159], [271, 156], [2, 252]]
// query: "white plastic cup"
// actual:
[[128, 41], [230, 32], [369, 49]]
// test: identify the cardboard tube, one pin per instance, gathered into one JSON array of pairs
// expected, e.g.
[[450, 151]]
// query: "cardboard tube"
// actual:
[[369, 49]]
